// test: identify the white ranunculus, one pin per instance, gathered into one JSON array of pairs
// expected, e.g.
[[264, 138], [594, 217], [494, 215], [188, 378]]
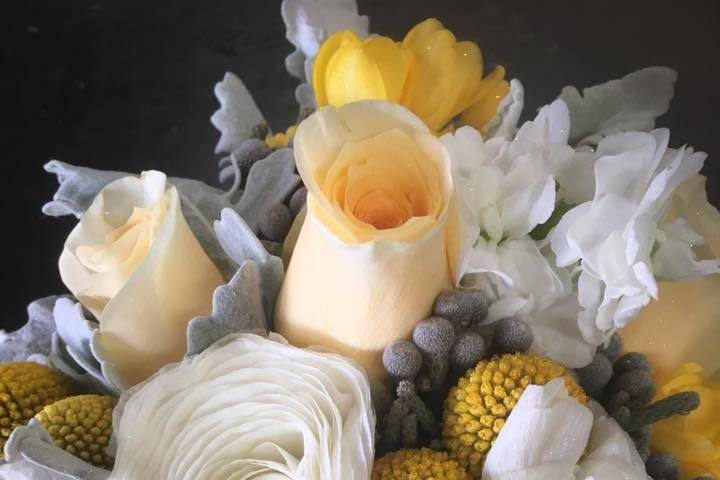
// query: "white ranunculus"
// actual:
[[548, 432], [248, 407], [617, 238]]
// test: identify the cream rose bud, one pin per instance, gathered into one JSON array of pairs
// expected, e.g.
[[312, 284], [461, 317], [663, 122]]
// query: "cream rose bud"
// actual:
[[136, 265], [380, 239]]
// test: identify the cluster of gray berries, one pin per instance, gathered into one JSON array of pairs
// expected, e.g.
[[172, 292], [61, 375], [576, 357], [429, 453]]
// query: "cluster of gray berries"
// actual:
[[442, 348], [279, 219], [624, 385]]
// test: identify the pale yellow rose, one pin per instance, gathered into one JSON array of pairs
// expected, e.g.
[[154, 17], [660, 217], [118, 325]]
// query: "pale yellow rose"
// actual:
[[380, 239], [684, 325], [430, 72], [136, 265]]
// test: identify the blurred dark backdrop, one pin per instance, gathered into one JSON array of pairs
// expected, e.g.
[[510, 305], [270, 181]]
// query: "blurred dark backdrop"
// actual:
[[128, 85]]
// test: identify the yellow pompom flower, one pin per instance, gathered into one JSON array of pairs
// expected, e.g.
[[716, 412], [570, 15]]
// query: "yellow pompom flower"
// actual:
[[281, 139], [25, 388], [476, 409], [418, 464], [695, 438], [82, 426], [429, 72]]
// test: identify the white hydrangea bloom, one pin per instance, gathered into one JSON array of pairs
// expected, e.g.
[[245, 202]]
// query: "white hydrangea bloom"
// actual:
[[617, 238], [506, 189], [249, 407]]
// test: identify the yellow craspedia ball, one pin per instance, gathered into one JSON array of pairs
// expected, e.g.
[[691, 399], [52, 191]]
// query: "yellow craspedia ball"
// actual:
[[418, 464], [25, 388], [81, 425], [476, 408]]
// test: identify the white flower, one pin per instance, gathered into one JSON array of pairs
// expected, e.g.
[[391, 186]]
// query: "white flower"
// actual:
[[507, 189], [248, 407], [617, 237], [546, 434]]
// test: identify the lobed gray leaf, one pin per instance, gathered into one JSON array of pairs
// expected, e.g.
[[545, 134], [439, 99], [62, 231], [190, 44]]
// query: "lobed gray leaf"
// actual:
[[238, 113], [78, 188], [33, 445], [629, 103], [241, 245], [35, 337], [269, 182], [237, 307]]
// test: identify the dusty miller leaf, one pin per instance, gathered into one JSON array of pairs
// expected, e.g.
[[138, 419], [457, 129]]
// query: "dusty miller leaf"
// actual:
[[238, 113], [33, 444], [629, 103]]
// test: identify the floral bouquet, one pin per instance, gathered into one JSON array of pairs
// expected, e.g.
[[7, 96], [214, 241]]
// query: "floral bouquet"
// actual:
[[409, 283]]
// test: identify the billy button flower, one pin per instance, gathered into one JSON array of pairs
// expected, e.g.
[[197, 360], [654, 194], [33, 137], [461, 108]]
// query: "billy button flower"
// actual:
[[419, 464], [476, 409], [429, 72], [82, 426], [25, 388]]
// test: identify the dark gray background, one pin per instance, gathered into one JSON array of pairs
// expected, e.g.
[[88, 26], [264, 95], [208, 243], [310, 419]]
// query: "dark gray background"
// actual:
[[127, 84]]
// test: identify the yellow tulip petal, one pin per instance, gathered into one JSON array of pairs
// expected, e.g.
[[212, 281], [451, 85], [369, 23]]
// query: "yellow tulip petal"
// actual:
[[492, 90], [323, 57]]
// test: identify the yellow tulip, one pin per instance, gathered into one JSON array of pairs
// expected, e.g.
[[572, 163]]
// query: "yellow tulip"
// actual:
[[380, 237], [431, 73], [695, 438]]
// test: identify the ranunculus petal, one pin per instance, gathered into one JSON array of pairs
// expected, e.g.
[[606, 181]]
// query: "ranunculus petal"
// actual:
[[248, 407]]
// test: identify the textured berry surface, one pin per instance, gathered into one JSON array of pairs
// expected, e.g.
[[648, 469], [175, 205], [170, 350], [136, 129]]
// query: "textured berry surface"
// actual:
[[402, 360], [594, 377], [418, 464], [434, 335], [82, 426], [276, 225], [468, 350], [476, 409], [663, 466], [463, 307], [511, 336], [250, 151], [297, 201], [25, 388]]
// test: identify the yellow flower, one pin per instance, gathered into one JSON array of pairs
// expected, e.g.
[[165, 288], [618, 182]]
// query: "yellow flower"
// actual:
[[476, 409], [695, 438], [82, 426], [380, 238], [430, 72], [418, 464], [281, 139], [25, 389], [134, 262]]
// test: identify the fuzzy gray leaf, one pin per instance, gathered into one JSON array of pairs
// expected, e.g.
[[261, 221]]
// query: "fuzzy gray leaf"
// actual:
[[237, 307], [78, 188], [269, 183], [238, 113], [629, 103], [33, 444], [35, 337], [240, 244]]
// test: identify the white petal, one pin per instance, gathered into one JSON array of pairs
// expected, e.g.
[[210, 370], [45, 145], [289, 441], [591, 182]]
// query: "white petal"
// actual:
[[504, 123], [546, 427], [525, 209], [674, 258]]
